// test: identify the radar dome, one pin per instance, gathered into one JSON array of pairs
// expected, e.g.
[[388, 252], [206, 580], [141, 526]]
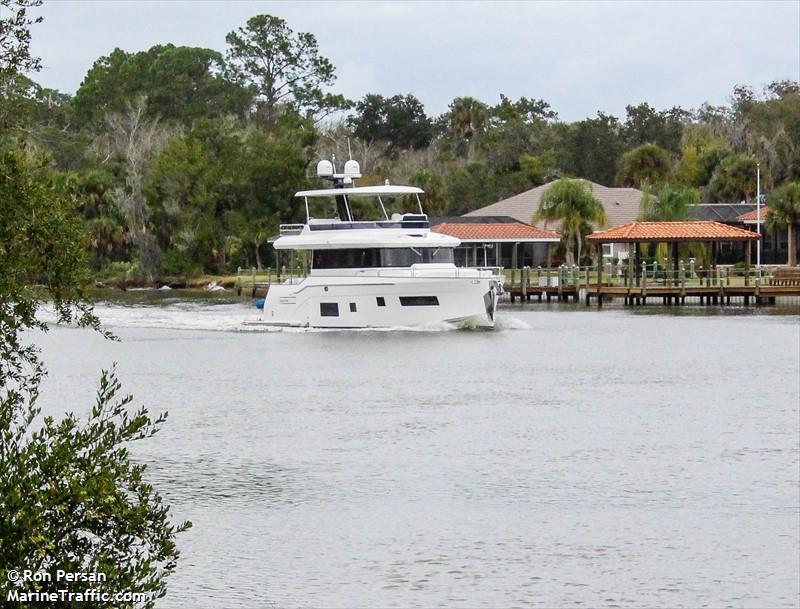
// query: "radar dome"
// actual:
[[324, 169], [352, 169]]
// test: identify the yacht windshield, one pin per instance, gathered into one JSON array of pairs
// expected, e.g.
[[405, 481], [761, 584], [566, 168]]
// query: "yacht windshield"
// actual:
[[380, 257], [362, 209]]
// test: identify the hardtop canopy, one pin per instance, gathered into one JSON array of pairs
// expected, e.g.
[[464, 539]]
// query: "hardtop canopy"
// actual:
[[387, 190]]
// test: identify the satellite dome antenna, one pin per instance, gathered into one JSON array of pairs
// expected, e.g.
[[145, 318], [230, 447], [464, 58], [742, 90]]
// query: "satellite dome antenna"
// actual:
[[327, 171]]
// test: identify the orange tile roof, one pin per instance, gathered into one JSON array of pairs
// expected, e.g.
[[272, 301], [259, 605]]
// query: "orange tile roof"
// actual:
[[688, 230], [500, 231], [750, 216]]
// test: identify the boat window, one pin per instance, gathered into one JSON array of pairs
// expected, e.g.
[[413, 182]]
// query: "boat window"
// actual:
[[380, 257], [381, 301], [415, 255], [329, 309], [397, 256], [439, 254], [352, 307], [346, 258], [419, 301]]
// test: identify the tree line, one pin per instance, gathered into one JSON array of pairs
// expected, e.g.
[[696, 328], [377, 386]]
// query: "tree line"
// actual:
[[183, 160]]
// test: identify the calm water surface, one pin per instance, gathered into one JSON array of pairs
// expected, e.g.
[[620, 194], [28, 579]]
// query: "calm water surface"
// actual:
[[572, 458]]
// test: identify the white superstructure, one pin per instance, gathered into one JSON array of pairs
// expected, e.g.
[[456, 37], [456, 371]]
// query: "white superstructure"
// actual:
[[390, 272]]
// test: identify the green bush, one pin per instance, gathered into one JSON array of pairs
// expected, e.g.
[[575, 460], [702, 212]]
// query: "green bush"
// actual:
[[178, 263], [115, 270]]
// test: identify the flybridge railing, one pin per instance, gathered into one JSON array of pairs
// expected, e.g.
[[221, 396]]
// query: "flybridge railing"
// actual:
[[404, 221], [291, 229], [367, 224]]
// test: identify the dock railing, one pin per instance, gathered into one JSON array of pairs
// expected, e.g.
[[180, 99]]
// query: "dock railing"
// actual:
[[651, 274], [647, 279]]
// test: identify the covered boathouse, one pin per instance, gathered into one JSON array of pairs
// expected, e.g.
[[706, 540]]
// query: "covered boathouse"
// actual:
[[673, 233], [677, 283]]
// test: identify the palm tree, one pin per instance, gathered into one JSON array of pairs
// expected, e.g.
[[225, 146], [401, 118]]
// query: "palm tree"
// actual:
[[784, 213], [668, 204], [644, 166], [467, 118], [571, 203], [732, 180]]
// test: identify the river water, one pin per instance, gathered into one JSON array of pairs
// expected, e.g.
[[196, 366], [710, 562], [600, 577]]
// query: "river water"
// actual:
[[573, 457]]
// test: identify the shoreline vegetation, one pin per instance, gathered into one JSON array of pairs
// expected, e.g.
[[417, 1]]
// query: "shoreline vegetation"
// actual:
[[183, 161], [202, 282]]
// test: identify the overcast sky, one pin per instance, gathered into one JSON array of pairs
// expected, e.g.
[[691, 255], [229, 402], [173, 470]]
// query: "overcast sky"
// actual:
[[579, 57]]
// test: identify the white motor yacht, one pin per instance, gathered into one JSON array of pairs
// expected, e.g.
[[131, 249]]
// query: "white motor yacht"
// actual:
[[389, 272]]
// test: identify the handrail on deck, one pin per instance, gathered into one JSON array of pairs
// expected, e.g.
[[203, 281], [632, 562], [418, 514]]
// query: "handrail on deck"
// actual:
[[425, 271], [291, 229], [496, 270]]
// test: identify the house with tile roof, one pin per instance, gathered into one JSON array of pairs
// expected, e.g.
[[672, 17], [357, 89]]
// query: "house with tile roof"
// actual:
[[774, 243], [726, 213], [754, 215], [497, 241], [621, 205]]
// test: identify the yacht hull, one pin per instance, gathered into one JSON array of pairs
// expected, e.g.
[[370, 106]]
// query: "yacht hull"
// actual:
[[382, 302]]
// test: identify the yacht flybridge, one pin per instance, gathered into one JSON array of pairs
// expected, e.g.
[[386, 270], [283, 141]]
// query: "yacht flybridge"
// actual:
[[392, 271]]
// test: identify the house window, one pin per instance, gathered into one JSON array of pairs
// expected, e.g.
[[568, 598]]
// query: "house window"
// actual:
[[329, 309], [381, 301], [769, 244], [419, 301], [352, 307]]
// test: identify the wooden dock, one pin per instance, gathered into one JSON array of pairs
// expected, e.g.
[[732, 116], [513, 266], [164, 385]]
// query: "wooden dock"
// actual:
[[711, 286], [541, 293], [561, 284], [675, 295]]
